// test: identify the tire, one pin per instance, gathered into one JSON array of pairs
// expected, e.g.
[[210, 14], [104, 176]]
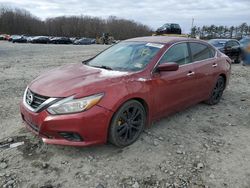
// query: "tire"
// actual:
[[217, 92], [238, 59], [127, 124]]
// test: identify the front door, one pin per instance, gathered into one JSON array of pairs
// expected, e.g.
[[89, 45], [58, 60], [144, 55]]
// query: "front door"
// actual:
[[173, 90]]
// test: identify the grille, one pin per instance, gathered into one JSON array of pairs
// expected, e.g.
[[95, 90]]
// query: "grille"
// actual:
[[34, 100]]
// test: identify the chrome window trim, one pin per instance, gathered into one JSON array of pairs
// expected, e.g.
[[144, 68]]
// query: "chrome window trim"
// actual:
[[198, 61], [49, 100], [215, 54]]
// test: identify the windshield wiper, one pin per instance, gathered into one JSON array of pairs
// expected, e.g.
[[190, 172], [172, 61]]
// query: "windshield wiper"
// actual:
[[103, 67], [87, 60]]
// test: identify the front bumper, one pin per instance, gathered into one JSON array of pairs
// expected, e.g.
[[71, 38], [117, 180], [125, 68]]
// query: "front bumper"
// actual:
[[92, 125]]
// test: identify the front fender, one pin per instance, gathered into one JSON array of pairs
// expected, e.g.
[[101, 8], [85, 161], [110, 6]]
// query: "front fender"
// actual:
[[120, 93]]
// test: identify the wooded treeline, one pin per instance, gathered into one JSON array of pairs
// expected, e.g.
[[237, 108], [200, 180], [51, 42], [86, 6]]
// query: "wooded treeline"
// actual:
[[19, 21], [210, 32]]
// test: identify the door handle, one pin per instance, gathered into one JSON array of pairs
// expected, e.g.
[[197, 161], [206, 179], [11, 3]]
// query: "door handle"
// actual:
[[190, 73], [215, 65]]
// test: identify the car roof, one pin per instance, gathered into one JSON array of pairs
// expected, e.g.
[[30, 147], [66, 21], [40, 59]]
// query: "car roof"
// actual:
[[225, 40], [160, 39]]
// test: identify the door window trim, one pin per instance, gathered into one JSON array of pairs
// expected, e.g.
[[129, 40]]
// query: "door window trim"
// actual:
[[215, 54], [173, 46], [189, 51]]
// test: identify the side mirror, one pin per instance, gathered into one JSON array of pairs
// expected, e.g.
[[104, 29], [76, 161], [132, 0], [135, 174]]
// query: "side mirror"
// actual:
[[168, 67]]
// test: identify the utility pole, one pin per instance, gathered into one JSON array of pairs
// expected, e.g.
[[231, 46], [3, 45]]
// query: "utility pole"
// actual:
[[191, 30], [192, 23]]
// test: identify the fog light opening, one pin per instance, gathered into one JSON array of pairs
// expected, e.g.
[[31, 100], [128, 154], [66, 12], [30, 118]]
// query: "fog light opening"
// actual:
[[70, 136]]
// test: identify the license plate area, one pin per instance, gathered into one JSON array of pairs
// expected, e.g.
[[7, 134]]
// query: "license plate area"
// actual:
[[30, 122]]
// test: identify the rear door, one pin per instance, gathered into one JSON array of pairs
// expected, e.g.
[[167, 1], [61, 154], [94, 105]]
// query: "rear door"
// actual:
[[173, 90], [205, 65]]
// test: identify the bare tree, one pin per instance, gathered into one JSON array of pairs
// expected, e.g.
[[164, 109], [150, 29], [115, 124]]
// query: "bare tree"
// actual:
[[19, 21], [209, 32]]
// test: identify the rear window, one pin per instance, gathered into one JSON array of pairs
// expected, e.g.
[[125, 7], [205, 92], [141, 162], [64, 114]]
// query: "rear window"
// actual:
[[235, 43], [201, 51]]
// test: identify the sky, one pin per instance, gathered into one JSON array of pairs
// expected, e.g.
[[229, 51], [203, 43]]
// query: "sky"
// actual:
[[150, 12]]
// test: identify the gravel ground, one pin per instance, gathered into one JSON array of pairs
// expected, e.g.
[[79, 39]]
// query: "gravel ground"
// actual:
[[202, 146]]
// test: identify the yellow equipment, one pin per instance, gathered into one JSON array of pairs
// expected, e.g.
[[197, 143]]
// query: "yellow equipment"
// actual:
[[105, 39]]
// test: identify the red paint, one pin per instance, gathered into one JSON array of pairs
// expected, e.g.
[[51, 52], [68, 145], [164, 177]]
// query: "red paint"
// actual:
[[162, 92]]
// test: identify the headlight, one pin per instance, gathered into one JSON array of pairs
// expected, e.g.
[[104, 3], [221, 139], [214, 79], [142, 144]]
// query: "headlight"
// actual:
[[71, 105]]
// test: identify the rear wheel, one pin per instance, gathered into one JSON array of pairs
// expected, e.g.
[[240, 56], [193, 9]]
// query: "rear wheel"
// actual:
[[127, 124], [238, 59], [217, 92]]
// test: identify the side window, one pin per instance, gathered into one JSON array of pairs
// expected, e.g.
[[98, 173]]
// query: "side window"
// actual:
[[201, 51], [229, 44], [234, 43], [178, 54]]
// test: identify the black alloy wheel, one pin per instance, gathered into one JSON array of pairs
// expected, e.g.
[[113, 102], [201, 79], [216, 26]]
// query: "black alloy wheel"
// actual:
[[217, 92], [127, 124]]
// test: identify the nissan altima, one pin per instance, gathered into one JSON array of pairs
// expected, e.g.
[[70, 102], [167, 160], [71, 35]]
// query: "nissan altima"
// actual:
[[115, 95]]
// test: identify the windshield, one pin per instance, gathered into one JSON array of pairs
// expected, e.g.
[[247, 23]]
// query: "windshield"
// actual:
[[126, 56], [166, 25], [217, 43]]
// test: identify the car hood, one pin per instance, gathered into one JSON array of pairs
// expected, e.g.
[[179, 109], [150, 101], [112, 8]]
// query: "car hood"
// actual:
[[75, 79], [160, 29]]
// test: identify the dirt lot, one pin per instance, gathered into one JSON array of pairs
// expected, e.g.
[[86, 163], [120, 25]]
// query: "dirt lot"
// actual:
[[202, 146]]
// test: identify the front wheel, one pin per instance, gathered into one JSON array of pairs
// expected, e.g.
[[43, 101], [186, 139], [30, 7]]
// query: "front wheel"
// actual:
[[217, 92], [127, 124]]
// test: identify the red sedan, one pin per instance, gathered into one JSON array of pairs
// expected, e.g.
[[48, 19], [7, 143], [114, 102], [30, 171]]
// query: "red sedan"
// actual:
[[116, 94]]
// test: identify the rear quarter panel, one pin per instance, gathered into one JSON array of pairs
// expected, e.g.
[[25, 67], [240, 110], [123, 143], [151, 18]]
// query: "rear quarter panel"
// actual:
[[224, 67]]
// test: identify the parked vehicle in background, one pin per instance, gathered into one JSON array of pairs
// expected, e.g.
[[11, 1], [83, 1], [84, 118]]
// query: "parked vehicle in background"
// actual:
[[116, 94], [60, 40], [230, 47], [11, 37], [244, 42], [73, 39], [169, 28], [40, 39], [19, 39], [29, 39], [85, 41], [4, 37]]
